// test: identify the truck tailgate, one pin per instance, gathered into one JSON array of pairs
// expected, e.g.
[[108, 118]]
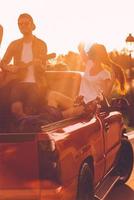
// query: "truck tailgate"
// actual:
[[19, 173]]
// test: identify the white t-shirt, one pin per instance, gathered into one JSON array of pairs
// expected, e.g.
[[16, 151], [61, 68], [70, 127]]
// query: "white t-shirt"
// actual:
[[26, 57], [90, 86]]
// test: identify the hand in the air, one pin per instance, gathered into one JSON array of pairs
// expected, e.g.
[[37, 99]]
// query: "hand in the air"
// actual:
[[81, 47]]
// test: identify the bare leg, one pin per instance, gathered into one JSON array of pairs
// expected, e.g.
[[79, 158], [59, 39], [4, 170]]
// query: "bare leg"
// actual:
[[73, 111], [57, 99]]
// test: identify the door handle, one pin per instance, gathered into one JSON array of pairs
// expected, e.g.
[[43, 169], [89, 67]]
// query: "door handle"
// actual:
[[107, 126]]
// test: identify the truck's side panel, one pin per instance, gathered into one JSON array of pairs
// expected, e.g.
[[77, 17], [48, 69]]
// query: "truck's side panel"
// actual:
[[19, 173]]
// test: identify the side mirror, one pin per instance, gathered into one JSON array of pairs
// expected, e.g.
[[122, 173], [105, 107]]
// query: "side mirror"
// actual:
[[120, 104]]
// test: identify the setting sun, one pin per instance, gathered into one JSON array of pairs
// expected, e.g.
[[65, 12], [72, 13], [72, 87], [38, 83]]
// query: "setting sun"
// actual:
[[64, 23]]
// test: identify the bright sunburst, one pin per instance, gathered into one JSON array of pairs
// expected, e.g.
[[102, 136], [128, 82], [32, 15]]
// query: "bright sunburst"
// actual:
[[64, 23]]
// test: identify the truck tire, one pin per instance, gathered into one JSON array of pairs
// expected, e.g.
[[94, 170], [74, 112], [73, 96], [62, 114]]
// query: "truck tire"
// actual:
[[85, 183], [125, 161]]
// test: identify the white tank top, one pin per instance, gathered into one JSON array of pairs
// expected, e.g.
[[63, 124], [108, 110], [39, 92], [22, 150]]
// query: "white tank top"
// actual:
[[27, 56], [90, 86]]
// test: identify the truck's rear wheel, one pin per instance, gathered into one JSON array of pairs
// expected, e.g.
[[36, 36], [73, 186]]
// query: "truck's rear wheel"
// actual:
[[124, 165], [85, 183]]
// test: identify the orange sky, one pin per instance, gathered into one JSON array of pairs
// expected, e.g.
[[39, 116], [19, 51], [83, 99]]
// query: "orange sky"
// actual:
[[64, 23]]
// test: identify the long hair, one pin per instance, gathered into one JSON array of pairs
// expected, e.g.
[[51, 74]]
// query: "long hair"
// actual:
[[99, 52], [120, 77]]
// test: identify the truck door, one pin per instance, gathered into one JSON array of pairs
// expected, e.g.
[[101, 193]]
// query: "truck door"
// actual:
[[112, 133]]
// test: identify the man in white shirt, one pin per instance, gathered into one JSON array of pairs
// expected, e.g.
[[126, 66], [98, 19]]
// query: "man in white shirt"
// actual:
[[29, 56]]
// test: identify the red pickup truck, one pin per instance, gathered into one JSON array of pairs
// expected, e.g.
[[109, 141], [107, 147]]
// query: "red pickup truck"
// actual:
[[79, 158]]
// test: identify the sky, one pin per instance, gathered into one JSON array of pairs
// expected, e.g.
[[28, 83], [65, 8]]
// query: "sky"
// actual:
[[63, 24]]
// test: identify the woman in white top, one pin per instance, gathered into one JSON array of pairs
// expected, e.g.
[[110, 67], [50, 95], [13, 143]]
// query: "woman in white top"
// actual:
[[101, 73], [96, 77], [94, 81], [100, 76]]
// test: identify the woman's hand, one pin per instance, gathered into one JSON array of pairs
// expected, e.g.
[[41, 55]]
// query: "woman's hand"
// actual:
[[81, 47], [79, 100], [82, 52]]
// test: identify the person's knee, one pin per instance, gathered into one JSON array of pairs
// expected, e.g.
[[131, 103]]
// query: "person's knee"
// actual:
[[52, 95], [17, 108], [52, 99]]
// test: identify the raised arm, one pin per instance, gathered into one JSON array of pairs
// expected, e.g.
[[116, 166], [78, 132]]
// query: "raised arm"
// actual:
[[82, 52], [1, 33], [7, 57]]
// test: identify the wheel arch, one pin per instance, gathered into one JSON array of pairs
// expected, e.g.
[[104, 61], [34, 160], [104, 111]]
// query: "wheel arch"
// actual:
[[89, 162], [125, 157]]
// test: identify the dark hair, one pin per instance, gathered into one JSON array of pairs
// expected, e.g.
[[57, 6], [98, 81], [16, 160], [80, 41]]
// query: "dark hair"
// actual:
[[99, 52], [120, 76], [27, 16]]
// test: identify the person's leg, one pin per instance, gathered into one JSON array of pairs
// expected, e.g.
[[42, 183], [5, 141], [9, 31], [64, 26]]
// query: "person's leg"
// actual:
[[32, 98], [57, 99], [16, 101], [25, 98], [73, 111], [17, 109]]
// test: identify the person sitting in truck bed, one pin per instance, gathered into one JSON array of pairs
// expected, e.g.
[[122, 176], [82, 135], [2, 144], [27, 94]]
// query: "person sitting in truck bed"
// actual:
[[101, 73], [100, 76], [29, 56]]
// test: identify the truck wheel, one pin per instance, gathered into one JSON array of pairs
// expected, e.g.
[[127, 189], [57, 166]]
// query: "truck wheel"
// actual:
[[85, 183], [124, 165]]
